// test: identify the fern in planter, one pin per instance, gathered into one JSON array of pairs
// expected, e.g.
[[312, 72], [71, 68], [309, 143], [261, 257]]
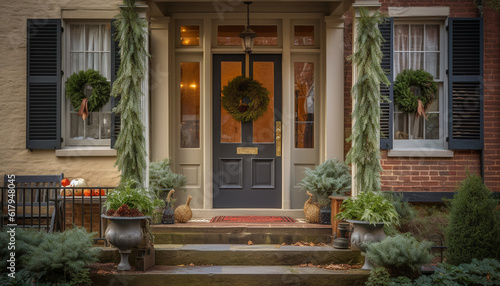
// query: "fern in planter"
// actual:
[[132, 194], [330, 178], [372, 207]]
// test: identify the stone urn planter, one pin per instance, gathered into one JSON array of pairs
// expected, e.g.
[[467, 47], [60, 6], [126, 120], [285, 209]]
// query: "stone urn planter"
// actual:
[[124, 233], [364, 233]]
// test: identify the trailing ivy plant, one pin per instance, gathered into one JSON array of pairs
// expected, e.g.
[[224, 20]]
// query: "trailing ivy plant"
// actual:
[[365, 150], [130, 144], [401, 254], [331, 177]]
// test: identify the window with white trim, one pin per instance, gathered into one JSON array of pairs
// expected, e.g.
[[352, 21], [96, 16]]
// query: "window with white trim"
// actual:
[[88, 46], [417, 46]]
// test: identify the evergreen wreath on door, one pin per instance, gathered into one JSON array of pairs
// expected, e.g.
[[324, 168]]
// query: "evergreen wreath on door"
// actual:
[[406, 100], [101, 90], [242, 87]]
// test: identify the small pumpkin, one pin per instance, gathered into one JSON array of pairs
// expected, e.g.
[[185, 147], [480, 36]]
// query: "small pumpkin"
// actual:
[[87, 192], [78, 192], [65, 182], [97, 192]]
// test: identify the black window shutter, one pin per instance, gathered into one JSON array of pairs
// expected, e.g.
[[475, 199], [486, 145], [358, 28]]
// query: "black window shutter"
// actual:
[[115, 65], [465, 91], [386, 107], [43, 84]]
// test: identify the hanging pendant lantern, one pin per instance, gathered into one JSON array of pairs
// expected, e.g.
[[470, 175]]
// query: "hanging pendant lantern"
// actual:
[[248, 35]]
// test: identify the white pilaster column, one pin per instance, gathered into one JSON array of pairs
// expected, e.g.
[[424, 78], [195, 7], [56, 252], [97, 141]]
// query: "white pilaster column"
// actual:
[[159, 85], [334, 83]]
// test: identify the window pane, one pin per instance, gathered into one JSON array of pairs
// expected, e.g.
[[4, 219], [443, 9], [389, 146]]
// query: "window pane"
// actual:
[[417, 38], [106, 125], [92, 40], [303, 36], [304, 104], [92, 125], [105, 68], [266, 35], [401, 62], [416, 126], [401, 126], [401, 37], [190, 35], [263, 127], [77, 126], [105, 35], [432, 64], [230, 127], [77, 40], [77, 62], [432, 126], [229, 35], [93, 61], [416, 61], [190, 105], [432, 37]]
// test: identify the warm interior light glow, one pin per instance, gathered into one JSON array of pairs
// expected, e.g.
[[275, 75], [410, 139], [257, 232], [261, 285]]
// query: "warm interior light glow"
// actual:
[[193, 85]]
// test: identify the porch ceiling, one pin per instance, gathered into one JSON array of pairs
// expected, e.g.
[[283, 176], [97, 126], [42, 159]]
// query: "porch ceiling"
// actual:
[[327, 7]]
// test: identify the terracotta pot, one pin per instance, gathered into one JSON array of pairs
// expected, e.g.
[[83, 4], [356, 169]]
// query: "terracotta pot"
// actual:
[[124, 233], [363, 233]]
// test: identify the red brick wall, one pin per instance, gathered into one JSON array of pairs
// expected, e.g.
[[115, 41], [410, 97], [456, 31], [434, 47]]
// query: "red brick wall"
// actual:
[[444, 174]]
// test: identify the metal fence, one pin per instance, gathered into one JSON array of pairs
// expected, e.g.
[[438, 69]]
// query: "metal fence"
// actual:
[[54, 208]]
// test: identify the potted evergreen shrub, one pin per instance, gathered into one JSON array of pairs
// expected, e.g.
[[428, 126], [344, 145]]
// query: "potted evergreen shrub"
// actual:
[[161, 180], [129, 205], [330, 178], [368, 212]]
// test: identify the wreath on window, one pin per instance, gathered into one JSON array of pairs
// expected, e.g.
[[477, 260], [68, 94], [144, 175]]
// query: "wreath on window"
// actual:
[[237, 90], [408, 101], [101, 91]]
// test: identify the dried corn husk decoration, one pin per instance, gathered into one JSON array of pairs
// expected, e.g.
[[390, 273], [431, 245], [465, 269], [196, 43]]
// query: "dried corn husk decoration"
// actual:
[[311, 210], [183, 213]]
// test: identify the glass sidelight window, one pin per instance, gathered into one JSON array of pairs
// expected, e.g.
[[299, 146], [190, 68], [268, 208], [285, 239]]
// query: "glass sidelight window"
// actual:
[[304, 104], [190, 104]]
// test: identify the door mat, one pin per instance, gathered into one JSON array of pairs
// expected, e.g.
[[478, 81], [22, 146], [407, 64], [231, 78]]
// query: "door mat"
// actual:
[[252, 219]]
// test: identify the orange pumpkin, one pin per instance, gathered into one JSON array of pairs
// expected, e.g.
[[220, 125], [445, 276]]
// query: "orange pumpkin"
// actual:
[[87, 192], [78, 192], [96, 192], [65, 182]]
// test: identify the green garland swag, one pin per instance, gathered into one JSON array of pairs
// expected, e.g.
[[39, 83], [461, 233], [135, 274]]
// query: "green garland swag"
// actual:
[[239, 88], [405, 100], [101, 89]]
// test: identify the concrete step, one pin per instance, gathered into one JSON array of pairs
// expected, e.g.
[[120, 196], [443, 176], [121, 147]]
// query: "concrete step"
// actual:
[[241, 234], [240, 254], [234, 276]]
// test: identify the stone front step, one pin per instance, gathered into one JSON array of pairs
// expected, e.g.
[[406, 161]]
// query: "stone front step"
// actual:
[[234, 275], [240, 254], [227, 233]]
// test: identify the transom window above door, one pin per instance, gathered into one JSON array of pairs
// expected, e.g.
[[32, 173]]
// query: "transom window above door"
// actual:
[[229, 35]]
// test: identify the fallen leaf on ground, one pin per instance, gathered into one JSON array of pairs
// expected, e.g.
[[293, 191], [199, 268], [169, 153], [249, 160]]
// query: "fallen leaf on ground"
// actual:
[[250, 242]]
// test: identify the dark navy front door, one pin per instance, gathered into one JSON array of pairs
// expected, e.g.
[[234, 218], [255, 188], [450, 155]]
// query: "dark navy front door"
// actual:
[[247, 156]]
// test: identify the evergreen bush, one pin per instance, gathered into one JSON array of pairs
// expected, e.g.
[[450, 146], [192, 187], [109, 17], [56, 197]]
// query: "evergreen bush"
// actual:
[[161, 177], [331, 177], [401, 255], [50, 258], [476, 273], [474, 228]]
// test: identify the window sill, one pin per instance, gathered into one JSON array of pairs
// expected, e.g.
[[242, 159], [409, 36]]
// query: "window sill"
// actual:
[[91, 151], [436, 153]]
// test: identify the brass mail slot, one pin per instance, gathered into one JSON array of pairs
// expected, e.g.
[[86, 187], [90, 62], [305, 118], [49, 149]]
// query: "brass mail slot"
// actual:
[[247, 150]]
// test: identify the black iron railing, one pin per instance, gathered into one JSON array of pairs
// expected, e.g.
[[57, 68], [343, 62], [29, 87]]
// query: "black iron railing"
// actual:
[[54, 208]]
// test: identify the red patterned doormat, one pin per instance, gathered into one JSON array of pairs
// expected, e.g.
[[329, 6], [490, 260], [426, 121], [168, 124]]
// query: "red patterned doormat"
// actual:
[[252, 219]]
